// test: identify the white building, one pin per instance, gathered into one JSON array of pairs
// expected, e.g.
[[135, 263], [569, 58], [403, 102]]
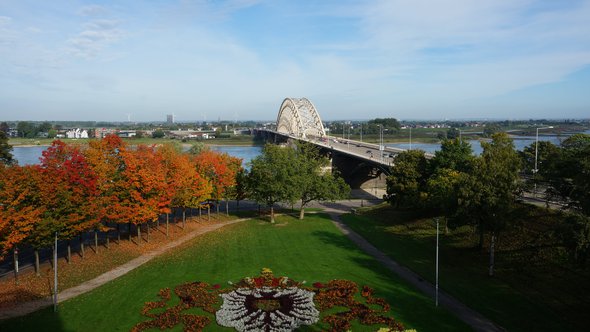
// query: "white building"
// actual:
[[77, 133]]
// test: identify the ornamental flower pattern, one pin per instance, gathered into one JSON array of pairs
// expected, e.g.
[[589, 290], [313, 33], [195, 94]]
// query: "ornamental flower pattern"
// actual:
[[266, 303], [267, 309]]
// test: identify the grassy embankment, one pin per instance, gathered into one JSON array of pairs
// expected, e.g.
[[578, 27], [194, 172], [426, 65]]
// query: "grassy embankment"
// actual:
[[531, 291], [311, 250]]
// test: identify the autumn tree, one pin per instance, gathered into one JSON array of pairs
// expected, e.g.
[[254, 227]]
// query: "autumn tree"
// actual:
[[145, 180], [220, 169], [20, 206], [106, 161], [68, 189], [187, 186]]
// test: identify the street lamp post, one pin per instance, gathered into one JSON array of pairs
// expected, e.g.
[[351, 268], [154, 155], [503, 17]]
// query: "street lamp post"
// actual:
[[436, 286], [536, 170], [381, 141], [361, 132]]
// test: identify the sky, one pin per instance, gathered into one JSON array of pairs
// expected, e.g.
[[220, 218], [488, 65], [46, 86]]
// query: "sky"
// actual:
[[208, 60]]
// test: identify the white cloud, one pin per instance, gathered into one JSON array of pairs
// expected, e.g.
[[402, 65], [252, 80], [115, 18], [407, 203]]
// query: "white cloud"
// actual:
[[93, 10], [98, 35]]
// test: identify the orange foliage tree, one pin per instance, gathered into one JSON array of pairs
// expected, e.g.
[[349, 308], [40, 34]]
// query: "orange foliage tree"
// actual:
[[220, 169], [68, 190], [191, 188], [106, 161], [145, 181], [20, 207]]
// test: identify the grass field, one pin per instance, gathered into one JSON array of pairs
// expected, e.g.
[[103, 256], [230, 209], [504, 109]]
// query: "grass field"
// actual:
[[311, 250], [521, 297]]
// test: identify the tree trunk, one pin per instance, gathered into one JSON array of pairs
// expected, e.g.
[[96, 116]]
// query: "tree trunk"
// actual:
[[492, 244], [481, 234], [118, 233], [96, 241], [167, 223], [200, 213], [217, 206], [446, 226], [302, 212], [69, 251], [15, 257], [148, 231], [158, 222], [108, 241], [37, 263], [129, 230], [238, 205], [183, 217], [227, 207], [82, 245], [139, 234], [272, 214], [208, 213]]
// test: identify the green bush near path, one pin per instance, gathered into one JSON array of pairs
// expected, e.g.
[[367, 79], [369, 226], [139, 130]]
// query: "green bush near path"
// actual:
[[513, 304], [312, 250]]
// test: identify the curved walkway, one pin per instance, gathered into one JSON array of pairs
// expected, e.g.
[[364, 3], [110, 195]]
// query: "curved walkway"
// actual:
[[29, 307], [472, 318]]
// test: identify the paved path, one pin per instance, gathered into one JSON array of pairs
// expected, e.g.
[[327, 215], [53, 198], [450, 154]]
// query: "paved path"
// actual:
[[467, 315], [29, 307]]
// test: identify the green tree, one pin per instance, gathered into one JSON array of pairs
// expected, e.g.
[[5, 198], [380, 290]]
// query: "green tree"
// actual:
[[158, 133], [273, 178], [453, 154], [406, 186], [487, 195], [44, 127], [575, 235], [196, 148], [546, 151], [568, 172], [4, 127], [6, 157], [314, 183], [26, 129]]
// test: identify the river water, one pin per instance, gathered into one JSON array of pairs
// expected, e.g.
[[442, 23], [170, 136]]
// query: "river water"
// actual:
[[520, 142], [31, 155]]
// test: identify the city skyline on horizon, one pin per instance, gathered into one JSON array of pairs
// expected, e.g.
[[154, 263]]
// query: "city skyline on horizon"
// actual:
[[238, 59]]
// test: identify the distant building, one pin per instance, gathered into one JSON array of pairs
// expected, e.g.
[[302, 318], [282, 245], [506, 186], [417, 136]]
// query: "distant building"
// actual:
[[102, 132], [77, 133], [170, 118]]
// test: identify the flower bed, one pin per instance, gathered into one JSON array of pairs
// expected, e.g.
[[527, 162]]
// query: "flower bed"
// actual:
[[268, 303]]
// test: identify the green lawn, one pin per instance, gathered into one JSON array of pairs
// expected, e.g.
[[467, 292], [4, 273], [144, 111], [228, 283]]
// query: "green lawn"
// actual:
[[311, 250], [509, 301]]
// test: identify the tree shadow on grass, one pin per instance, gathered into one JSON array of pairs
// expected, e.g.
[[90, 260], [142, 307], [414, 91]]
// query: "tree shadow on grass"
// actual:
[[42, 320], [338, 240]]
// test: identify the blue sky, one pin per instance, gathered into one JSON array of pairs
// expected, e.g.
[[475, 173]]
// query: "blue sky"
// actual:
[[238, 59]]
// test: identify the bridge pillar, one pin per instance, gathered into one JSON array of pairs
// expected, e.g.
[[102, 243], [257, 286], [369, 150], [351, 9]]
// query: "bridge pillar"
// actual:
[[359, 174]]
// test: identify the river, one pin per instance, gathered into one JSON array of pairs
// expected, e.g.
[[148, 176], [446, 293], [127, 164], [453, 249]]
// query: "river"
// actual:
[[30, 155], [520, 142]]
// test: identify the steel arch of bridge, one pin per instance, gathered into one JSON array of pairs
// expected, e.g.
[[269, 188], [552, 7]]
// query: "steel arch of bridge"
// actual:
[[298, 117]]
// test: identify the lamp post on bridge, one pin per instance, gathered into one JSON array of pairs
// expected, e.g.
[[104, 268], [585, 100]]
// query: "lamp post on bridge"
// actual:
[[381, 141]]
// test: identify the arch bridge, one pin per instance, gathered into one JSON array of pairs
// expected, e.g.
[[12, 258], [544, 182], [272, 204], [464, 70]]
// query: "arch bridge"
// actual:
[[361, 164]]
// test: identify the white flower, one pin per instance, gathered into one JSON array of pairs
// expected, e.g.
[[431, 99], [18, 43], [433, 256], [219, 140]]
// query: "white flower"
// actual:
[[267, 309]]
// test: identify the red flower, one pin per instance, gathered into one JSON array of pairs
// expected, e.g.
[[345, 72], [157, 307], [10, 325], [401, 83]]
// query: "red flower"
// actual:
[[216, 286], [318, 285]]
